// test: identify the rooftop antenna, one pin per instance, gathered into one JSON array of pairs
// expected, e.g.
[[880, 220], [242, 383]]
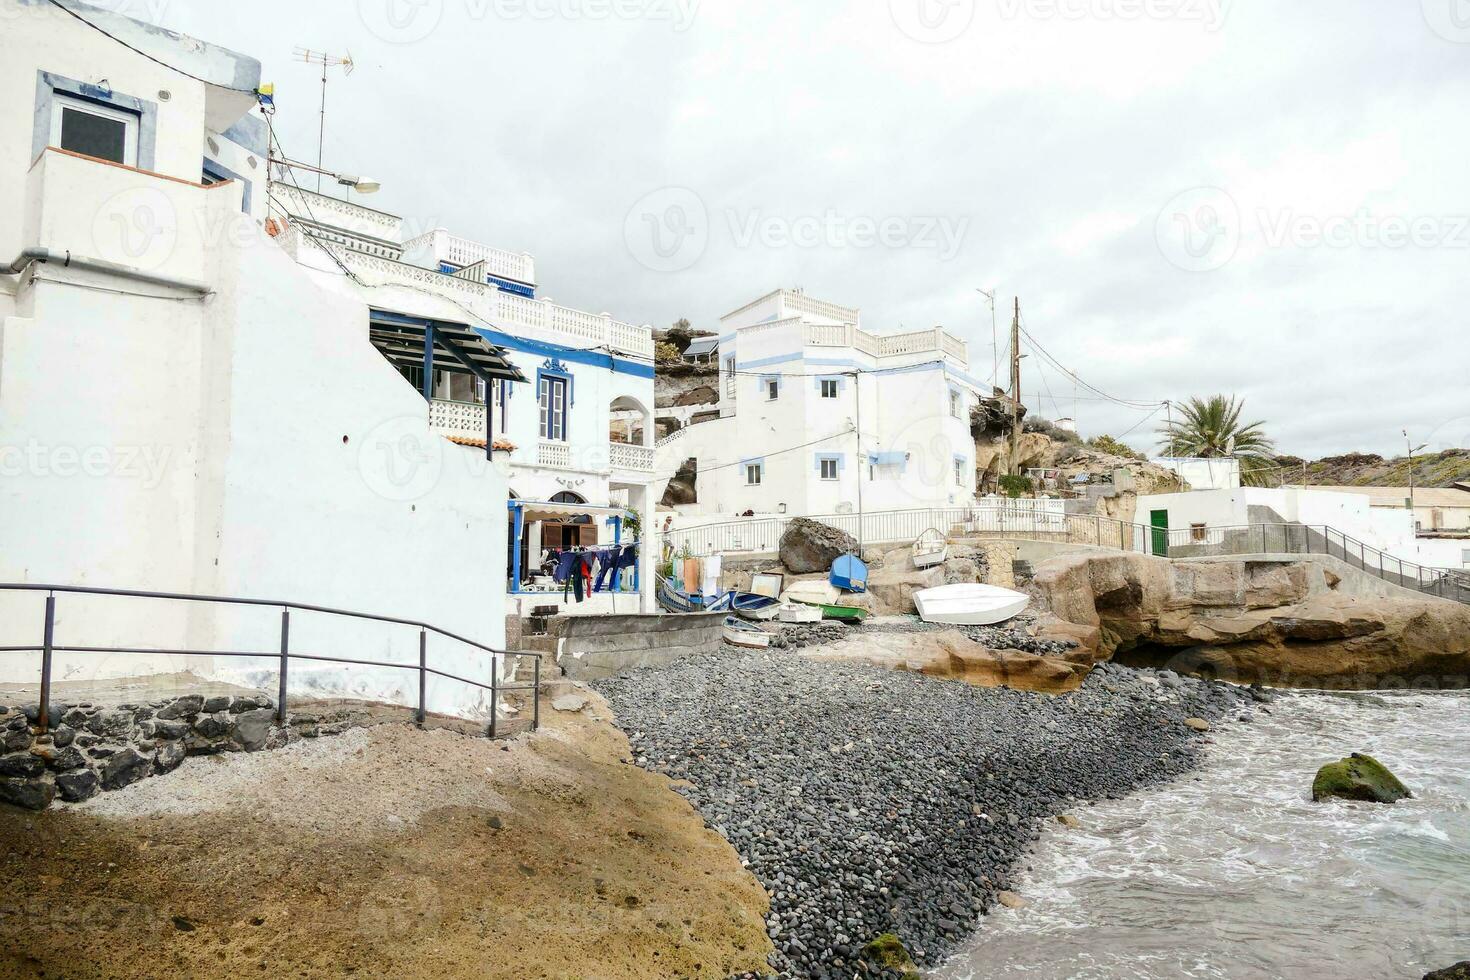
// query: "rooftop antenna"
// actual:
[[344, 62]]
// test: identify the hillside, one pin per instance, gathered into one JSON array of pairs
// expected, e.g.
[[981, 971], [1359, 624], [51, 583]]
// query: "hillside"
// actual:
[[1371, 470]]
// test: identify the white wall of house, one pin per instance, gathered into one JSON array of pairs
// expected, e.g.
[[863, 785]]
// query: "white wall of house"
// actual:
[[252, 443], [806, 378], [1204, 474]]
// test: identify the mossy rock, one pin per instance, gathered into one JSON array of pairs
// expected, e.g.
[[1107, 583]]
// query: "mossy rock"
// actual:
[[1358, 777], [1460, 971], [887, 952]]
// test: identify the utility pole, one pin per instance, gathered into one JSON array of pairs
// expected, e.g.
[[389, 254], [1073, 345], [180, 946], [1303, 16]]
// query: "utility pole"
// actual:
[[994, 337], [344, 62], [1412, 451], [857, 391], [1015, 466]]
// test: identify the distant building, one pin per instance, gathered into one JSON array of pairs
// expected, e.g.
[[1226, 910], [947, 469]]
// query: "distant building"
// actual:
[[1202, 473], [817, 415], [1436, 509]]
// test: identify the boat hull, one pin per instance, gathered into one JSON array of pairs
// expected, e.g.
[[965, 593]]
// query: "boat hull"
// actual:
[[745, 635], [966, 604], [799, 613]]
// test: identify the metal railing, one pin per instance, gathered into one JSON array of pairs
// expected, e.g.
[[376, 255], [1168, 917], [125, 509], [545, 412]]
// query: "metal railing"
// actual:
[[284, 655], [1019, 519]]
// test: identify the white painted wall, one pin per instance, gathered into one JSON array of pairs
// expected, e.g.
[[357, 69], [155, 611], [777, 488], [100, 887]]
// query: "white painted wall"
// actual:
[[253, 443], [1204, 474]]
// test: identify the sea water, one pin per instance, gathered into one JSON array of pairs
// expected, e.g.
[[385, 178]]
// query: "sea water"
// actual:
[[1233, 872]]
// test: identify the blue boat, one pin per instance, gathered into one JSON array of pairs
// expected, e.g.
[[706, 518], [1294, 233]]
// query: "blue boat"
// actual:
[[850, 574], [676, 600], [748, 605]]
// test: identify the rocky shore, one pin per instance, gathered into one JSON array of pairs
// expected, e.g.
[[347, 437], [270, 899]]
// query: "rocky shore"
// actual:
[[869, 801]]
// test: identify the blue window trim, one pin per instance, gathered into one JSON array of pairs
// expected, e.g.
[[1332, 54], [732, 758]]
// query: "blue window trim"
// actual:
[[839, 458], [568, 355], [764, 383], [960, 462], [555, 369], [759, 463], [220, 172], [48, 84], [840, 379]]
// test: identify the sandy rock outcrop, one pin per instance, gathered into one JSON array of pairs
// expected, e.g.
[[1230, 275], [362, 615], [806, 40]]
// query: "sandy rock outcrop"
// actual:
[[952, 654], [1277, 623]]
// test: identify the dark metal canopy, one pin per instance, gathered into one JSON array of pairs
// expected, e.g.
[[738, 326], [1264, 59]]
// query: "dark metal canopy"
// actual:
[[405, 340]]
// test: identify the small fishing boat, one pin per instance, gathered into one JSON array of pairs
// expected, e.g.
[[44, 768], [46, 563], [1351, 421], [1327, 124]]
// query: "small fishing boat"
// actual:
[[745, 635], [969, 604], [751, 606], [838, 611], [849, 574], [797, 612], [812, 592], [672, 598], [930, 549]]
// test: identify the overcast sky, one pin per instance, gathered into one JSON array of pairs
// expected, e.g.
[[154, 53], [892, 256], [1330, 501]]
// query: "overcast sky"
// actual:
[[1257, 197]]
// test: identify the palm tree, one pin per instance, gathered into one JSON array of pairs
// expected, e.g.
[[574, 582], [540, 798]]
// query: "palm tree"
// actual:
[[1212, 428]]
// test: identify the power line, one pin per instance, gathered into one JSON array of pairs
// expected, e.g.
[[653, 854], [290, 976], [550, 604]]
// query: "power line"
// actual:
[[1047, 355], [790, 449], [59, 6]]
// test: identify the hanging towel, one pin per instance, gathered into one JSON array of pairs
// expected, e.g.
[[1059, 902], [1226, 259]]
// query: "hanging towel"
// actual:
[[691, 576], [711, 582]]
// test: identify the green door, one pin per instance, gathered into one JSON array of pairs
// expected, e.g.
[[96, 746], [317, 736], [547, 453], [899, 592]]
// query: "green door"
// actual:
[[1159, 519]]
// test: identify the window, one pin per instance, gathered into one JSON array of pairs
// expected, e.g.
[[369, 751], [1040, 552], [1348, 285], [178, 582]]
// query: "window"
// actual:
[[730, 375], [960, 466], [498, 387], [828, 468], [773, 389], [829, 387], [553, 393], [96, 130], [954, 404], [1199, 532], [753, 474]]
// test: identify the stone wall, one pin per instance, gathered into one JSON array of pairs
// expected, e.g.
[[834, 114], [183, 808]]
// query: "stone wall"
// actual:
[[92, 747], [592, 647]]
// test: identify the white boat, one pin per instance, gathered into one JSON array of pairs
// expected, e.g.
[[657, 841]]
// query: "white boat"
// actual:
[[930, 549], [745, 635], [969, 604], [816, 592], [798, 613]]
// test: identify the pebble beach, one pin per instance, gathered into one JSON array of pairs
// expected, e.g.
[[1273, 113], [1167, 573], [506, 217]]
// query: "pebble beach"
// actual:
[[870, 801]]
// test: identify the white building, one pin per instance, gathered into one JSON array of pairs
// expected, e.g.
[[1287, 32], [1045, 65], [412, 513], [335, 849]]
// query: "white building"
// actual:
[[819, 416], [185, 408], [578, 437], [1204, 473]]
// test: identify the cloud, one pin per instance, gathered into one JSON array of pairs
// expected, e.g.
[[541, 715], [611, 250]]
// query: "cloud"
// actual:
[[1057, 132]]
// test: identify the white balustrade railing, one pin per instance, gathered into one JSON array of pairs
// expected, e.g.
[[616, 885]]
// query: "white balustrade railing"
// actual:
[[325, 210], [505, 264], [557, 454], [625, 456], [457, 418]]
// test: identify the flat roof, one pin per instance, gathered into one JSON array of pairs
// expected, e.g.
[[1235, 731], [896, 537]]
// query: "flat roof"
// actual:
[[1395, 496]]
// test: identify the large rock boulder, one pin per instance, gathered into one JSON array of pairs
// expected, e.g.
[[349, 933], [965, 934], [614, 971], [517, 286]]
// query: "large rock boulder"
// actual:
[[1358, 777], [892, 585], [1460, 971], [811, 546], [1277, 623], [952, 654], [683, 485]]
